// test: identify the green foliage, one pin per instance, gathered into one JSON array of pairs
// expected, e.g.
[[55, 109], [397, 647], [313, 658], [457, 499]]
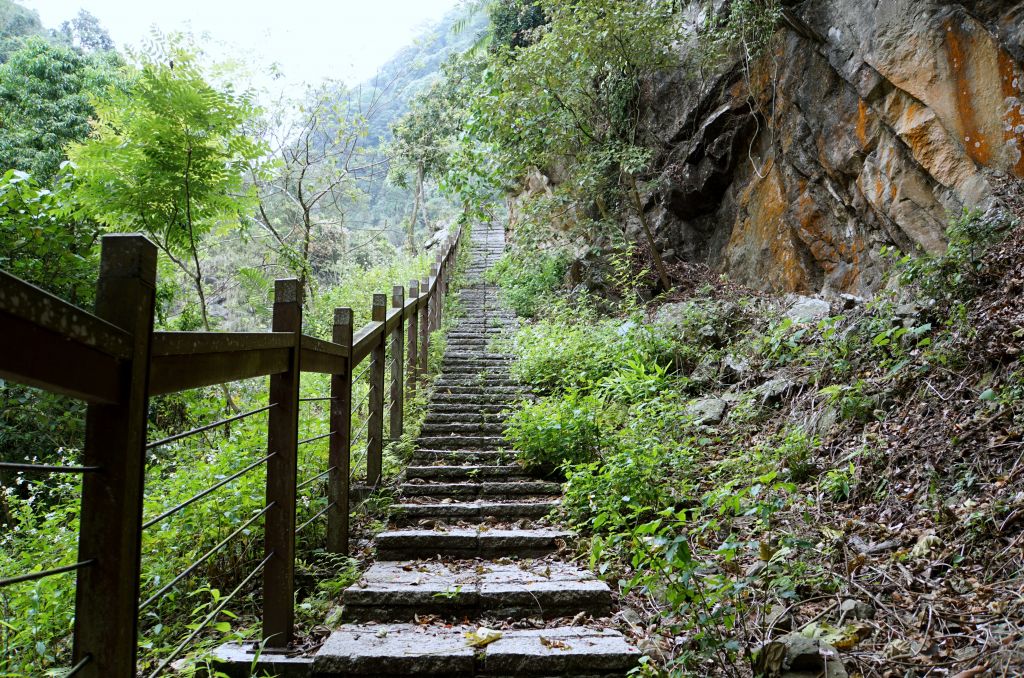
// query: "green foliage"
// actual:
[[513, 23], [955, 274], [42, 242], [837, 483], [745, 25], [572, 92], [16, 23], [168, 152], [45, 92], [574, 349], [557, 431], [528, 282]]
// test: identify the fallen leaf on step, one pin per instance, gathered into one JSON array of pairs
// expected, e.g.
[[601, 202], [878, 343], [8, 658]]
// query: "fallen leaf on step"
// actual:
[[482, 637], [554, 644]]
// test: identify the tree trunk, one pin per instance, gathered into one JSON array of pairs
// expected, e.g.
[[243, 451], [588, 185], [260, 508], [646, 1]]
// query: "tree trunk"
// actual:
[[659, 263], [410, 242]]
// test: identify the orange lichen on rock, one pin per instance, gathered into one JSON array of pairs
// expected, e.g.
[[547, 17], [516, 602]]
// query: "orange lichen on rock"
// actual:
[[762, 240], [1012, 82], [862, 123], [958, 46]]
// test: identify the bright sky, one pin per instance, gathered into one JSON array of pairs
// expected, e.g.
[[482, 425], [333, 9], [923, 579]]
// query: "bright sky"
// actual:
[[311, 40]]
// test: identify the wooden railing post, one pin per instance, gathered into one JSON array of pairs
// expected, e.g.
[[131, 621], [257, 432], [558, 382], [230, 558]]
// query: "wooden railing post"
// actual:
[[397, 360], [282, 445], [424, 329], [340, 454], [435, 297], [375, 427], [107, 595], [413, 336]]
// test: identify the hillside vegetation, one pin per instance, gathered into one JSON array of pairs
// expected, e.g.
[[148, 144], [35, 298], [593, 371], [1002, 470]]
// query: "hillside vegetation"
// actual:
[[235, 192], [749, 467]]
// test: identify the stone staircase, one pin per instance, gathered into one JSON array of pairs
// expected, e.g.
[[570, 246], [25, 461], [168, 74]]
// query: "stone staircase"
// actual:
[[470, 546]]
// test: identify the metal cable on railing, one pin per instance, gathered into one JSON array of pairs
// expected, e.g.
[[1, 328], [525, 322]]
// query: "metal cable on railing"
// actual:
[[362, 429], [195, 498], [46, 468], [42, 574], [313, 400], [315, 438], [315, 478], [202, 559], [210, 617], [73, 671], [362, 373], [207, 427], [319, 513]]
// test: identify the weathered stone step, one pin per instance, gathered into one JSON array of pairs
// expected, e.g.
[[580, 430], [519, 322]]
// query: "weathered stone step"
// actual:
[[461, 442], [471, 399], [462, 379], [471, 389], [488, 333], [472, 408], [470, 510], [464, 418], [394, 650], [490, 366], [455, 362], [487, 356], [466, 473], [451, 457], [410, 544], [452, 428], [512, 488], [398, 591]]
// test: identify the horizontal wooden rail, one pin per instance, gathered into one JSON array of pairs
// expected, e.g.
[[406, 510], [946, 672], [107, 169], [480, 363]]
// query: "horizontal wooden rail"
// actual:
[[115, 361], [51, 344]]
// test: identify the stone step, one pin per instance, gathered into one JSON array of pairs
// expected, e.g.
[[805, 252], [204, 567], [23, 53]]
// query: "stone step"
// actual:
[[464, 418], [466, 473], [472, 510], [461, 442], [399, 650], [471, 399], [398, 591], [465, 490], [452, 428], [452, 457], [478, 389], [487, 356], [486, 378], [490, 367], [470, 408], [486, 333], [410, 544]]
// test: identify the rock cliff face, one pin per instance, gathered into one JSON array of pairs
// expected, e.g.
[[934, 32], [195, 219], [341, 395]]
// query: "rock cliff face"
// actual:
[[867, 123]]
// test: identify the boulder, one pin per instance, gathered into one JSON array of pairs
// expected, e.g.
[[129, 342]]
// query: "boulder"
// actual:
[[797, 656], [856, 609], [777, 389], [707, 410], [808, 309]]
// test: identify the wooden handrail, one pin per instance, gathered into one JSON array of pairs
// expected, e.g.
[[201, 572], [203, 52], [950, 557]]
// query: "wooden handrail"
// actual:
[[115, 361]]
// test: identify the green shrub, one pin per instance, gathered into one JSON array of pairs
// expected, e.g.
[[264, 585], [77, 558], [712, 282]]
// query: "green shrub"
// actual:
[[528, 281], [557, 430]]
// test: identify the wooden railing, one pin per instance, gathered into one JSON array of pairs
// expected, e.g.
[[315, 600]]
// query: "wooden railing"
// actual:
[[114, 361]]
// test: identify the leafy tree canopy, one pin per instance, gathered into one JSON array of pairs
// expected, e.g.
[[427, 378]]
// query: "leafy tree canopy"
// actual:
[[85, 33], [168, 152], [16, 22], [45, 92], [41, 242]]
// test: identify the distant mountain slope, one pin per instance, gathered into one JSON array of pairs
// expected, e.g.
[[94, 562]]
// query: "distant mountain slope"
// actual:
[[415, 67]]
